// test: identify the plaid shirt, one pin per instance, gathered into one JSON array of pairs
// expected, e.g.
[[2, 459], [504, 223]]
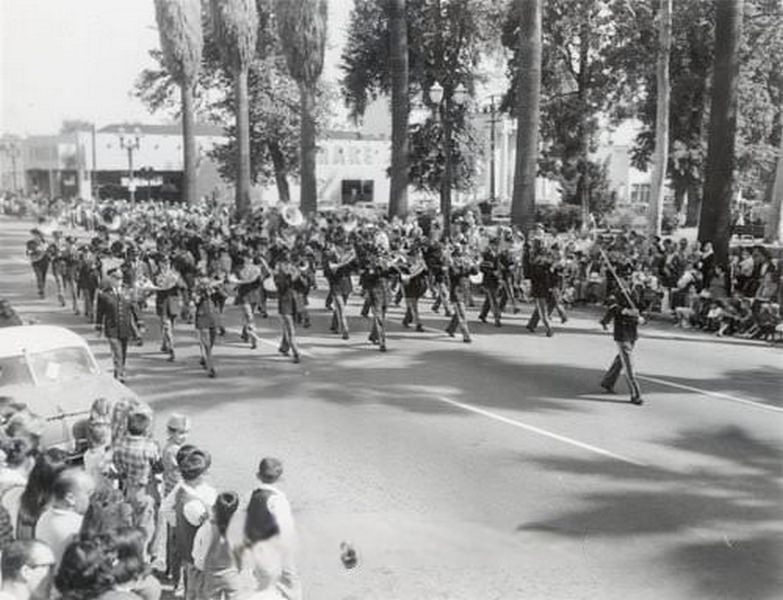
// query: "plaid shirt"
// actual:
[[135, 457]]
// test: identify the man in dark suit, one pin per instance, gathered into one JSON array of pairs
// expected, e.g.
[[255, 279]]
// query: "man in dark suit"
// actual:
[[115, 316]]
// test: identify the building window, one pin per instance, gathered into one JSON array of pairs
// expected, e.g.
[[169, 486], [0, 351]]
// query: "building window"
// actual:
[[640, 193], [357, 190]]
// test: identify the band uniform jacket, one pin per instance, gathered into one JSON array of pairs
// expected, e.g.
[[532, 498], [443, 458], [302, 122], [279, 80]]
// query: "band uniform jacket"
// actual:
[[540, 277], [625, 326], [249, 293], [115, 314], [287, 297], [459, 281], [490, 266], [340, 279]]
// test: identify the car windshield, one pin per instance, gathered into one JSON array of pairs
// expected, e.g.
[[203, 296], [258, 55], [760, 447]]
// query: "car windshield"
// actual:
[[14, 371], [61, 364]]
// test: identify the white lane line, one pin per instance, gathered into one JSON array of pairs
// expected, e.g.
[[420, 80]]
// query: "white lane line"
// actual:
[[720, 395], [271, 344], [538, 430]]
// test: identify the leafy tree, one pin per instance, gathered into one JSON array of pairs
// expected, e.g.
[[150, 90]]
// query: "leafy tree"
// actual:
[[273, 100], [445, 43], [301, 28], [576, 78], [715, 209], [663, 97], [181, 42], [235, 28]]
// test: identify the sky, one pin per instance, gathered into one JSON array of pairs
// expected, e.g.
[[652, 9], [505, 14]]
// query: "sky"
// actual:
[[78, 59]]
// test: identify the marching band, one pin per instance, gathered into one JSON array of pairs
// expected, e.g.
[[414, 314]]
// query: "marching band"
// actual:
[[193, 260]]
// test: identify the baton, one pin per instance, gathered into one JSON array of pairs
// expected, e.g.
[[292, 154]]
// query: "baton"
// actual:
[[617, 278]]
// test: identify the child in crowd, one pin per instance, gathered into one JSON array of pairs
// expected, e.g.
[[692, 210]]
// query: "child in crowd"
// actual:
[[213, 553], [270, 470], [98, 458], [137, 459], [177, 428], [186, 508]]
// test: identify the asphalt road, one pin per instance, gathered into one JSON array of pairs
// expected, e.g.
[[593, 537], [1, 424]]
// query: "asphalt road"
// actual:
[[496, 470]]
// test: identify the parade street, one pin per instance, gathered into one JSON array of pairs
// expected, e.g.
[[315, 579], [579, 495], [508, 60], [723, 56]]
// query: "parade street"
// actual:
[[493, 470]]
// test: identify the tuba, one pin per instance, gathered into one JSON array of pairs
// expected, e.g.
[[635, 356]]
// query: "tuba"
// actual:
[[292, 216]]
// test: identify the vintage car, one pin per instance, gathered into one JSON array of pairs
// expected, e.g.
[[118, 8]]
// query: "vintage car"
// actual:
[[54, 373]]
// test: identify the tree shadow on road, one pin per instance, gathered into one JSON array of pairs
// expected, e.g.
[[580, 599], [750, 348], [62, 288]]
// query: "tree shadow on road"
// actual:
[[730, 500]]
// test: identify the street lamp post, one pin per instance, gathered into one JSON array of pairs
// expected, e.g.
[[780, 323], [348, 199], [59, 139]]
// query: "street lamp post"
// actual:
[[493, 120], [11, 149], [130, 143], [443, 100], [147, 173]]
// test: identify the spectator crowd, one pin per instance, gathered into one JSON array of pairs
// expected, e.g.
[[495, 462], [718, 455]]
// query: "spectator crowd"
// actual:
[[131, 516]]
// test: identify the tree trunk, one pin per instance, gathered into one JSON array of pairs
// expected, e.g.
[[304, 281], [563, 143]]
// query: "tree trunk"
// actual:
[[398, 189], [279, 164], [583, 186], [693, 209], [774, 229], [716, 203], [523, 204], [243, 143], [308, 202], [189, 149], [447, 179], [661, 155]]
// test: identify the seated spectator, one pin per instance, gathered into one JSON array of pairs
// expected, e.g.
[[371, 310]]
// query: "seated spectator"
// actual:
[[27, 567], [61, 522]]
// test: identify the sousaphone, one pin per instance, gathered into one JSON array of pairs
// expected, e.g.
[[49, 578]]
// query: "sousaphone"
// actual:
[[292, 216]]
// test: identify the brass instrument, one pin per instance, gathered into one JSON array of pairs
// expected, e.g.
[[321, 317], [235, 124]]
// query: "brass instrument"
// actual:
[[292, 216]]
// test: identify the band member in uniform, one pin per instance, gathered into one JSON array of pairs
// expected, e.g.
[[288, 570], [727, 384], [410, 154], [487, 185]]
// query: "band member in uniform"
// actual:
[[461, 267], [248, 296], [624, 313], [70, 268], [167, 285], [206, 319], [437, 270], [413, 277], [58, 264], [286, 273], [507, 262], [539, 270], [337, 270], [39, 259], [490, 268], [115, 318], [88, 278], [375, 275]]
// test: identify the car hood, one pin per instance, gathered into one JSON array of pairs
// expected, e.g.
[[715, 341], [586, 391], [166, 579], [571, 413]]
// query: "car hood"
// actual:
[[74, 396]]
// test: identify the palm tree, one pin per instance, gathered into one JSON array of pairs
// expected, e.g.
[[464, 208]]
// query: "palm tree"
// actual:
[[235, 29], [301, 26], [182, 40], [398, 190], [523, 203]]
